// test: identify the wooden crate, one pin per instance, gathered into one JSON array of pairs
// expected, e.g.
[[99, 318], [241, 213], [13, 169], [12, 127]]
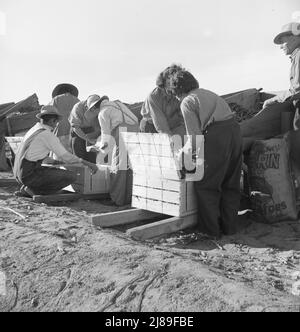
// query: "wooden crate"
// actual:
[[157, 181], [88, 183], [14, 143], [21, 122]]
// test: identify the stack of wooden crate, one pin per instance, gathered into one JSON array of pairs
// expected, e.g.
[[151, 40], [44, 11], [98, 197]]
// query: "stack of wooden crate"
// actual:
[[157, 181]]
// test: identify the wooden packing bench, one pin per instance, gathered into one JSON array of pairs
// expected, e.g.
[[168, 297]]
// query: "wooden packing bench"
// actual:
[[159, 192]]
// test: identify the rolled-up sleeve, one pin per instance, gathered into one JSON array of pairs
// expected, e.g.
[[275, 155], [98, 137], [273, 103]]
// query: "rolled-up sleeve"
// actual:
[[190, 112], [75, 117], [106, 127]]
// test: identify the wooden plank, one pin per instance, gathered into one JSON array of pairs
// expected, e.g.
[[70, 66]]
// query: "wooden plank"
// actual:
[[161, 228], [173, 210], [139, 203], [31, 103], [191, 199], [87, 183], [162, 139], [154, 206], [23, 122], [123, 218], [68, 198], [6, 106], [146, 138], [157, 183], [130, 137], [7, 182], [172, 197]]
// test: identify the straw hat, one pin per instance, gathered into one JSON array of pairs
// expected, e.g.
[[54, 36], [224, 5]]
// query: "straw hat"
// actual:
[[94, 100]]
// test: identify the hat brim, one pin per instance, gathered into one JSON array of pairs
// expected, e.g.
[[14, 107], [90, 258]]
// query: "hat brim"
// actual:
[[278, 39], [40, 116], [66, 86], [94, 104]]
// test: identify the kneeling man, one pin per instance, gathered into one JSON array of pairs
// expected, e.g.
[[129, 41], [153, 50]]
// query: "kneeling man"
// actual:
[[35, 148]]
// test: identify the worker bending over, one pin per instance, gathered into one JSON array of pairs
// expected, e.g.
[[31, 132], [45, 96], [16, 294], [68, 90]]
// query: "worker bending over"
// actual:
[[114, 117], [85, 127], [207, 114], [36, 146], [161, 111]]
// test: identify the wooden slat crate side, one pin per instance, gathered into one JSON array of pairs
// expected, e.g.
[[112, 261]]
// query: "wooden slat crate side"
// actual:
[[157, 183], [146, 138], [87, 183], [172, 210], [130, 137], [158, 195], [153, 161], [161, 140]]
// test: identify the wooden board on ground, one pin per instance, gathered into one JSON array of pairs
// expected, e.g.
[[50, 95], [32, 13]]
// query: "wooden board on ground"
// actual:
[[68, 198], [163, 227], [7, 182], [120, 218]]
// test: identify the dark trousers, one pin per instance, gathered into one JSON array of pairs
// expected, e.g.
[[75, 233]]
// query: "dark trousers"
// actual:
[[45, 180], [79, 149], [147, 127], [219, 192]]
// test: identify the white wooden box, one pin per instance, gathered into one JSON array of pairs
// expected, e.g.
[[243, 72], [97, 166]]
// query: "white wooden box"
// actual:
[[157, 182], [87, 183]]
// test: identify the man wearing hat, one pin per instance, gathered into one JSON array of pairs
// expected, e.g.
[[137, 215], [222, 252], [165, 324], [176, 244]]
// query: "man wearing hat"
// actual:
[[64, 97], [267, 123], [85, 127], [36, 146]]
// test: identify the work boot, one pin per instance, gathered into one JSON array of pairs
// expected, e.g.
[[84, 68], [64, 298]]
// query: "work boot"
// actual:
[[24, 192]]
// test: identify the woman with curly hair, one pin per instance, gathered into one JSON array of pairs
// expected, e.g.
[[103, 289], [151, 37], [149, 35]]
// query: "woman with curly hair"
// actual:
[[205, 113], [161, 111]]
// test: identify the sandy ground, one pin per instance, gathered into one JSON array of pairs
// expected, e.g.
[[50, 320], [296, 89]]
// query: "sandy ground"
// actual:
[[56, 261]]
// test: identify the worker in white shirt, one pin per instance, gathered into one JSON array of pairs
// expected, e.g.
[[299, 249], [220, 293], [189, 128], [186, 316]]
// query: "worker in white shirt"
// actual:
[[36, 146], [113, 118], [85, 128]]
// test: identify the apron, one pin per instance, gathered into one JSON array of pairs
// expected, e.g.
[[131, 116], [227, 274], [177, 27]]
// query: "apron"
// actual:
[[121, 176], [21, 154]]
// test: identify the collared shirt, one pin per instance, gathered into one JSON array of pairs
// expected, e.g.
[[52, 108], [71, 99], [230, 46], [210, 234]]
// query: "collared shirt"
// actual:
[[163, 110], [202, 108], [295, 72], [110, 117], [77, 117], [47, 142], [64, 104]]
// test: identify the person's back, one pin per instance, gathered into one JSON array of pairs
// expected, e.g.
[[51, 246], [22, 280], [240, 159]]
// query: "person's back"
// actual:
[[64, 103], [211, 107], [161, 111]]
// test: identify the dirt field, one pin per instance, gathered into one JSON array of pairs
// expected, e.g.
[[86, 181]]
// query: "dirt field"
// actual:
[[56, 261]]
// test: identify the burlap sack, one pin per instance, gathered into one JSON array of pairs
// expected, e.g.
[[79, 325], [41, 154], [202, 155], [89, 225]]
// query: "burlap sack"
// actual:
[[272, 190]]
